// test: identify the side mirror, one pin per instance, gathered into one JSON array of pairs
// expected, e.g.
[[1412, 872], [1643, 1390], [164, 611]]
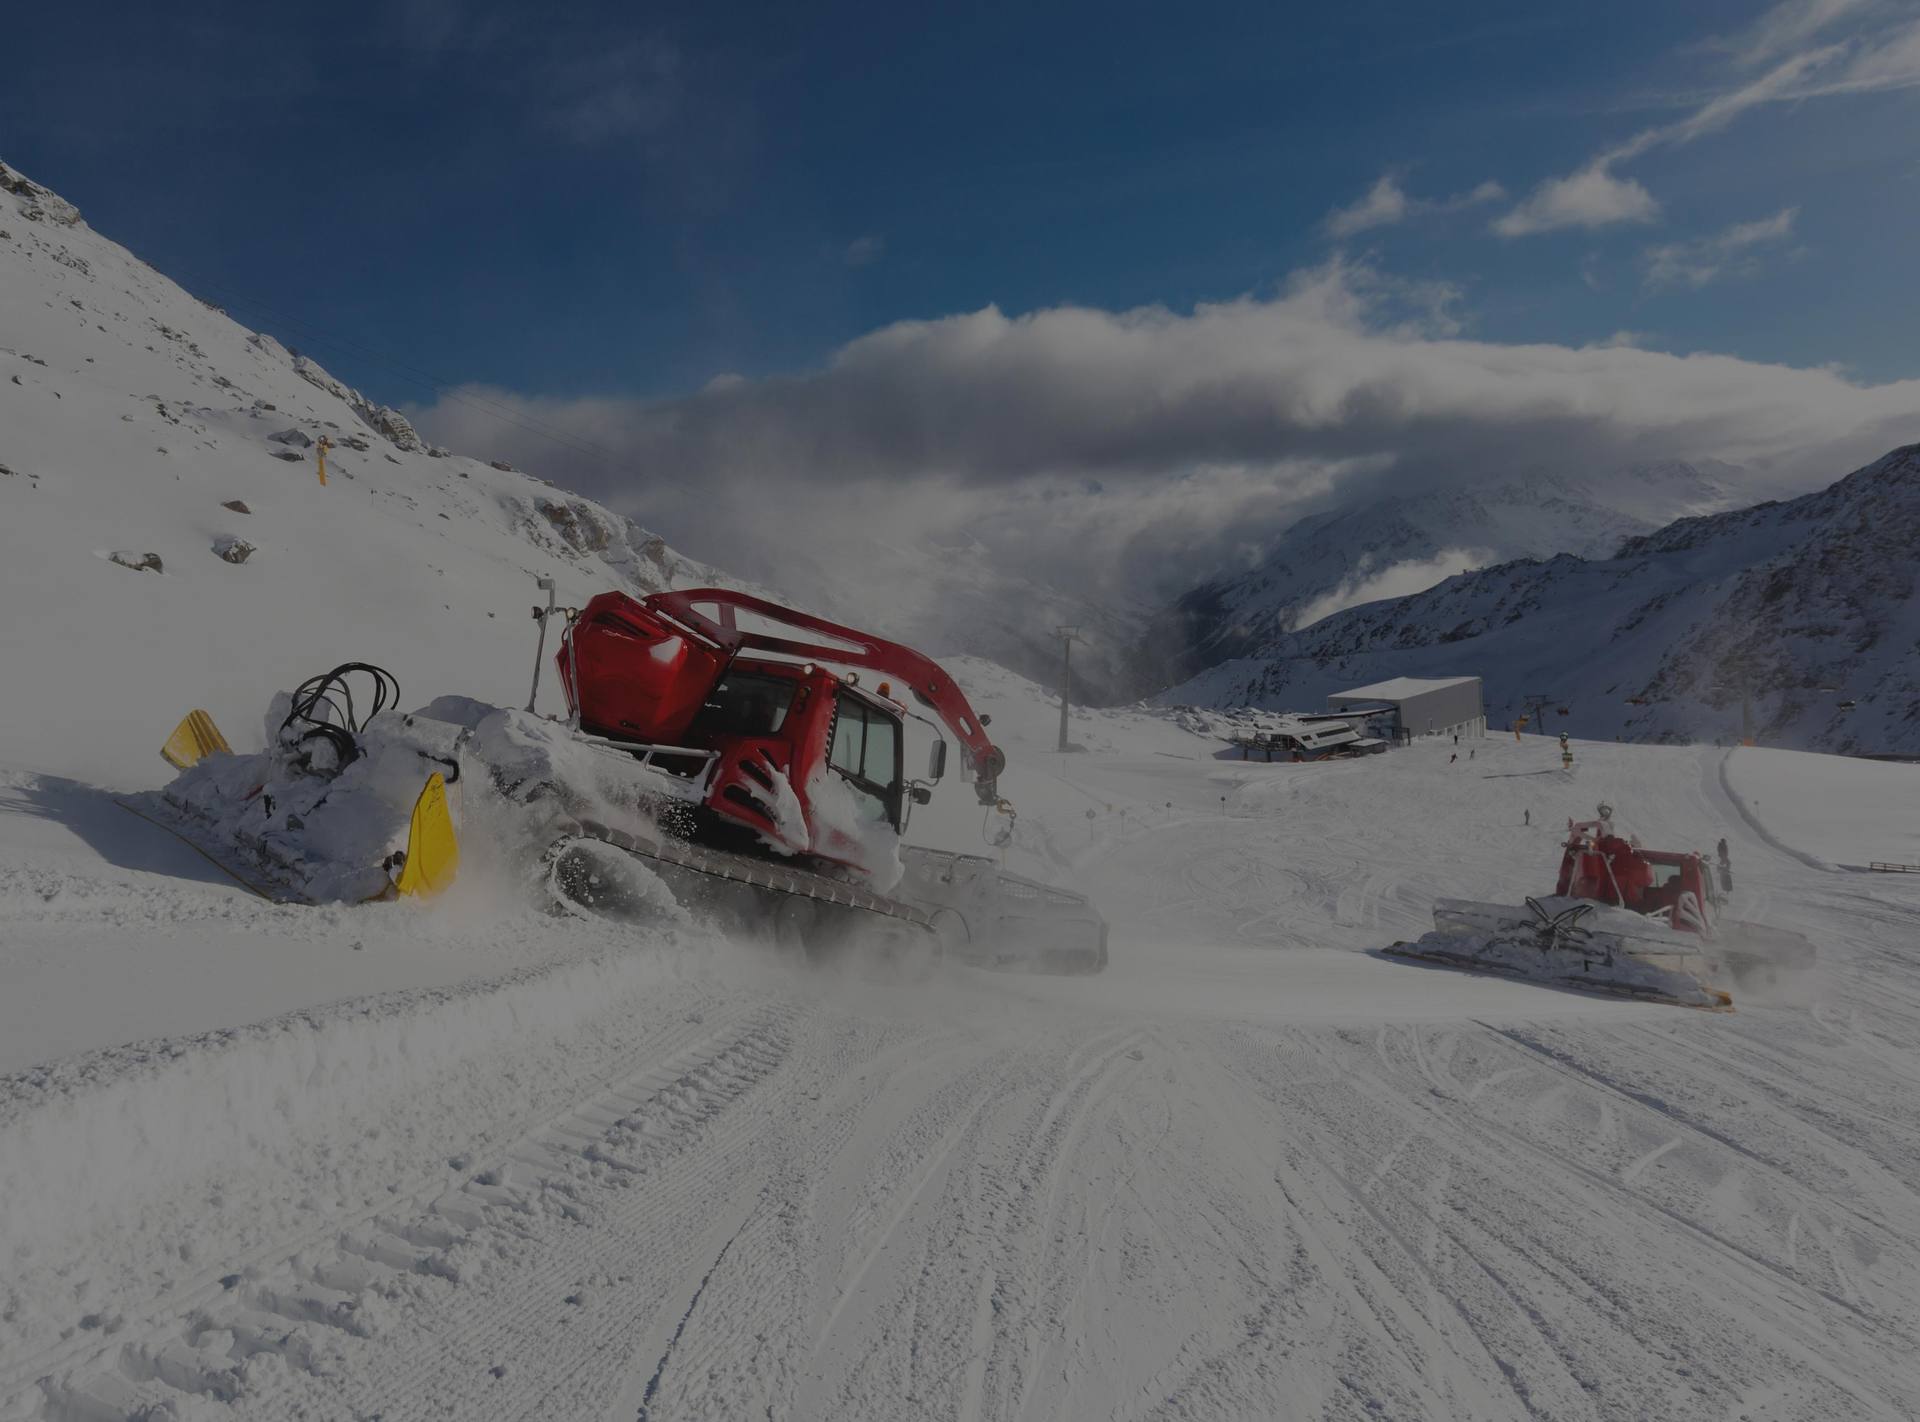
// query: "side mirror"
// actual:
[[937, 761]]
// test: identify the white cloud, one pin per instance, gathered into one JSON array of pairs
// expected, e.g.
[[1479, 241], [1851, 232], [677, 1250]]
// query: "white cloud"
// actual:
[[1891, 63], [1786, 27], [1384, 205], [1387, 203], [628, 90], [864, 251], [1595, 196], [1395, 580], [1592, 197], [1123, 447], [1726, 253], [1786, 80]]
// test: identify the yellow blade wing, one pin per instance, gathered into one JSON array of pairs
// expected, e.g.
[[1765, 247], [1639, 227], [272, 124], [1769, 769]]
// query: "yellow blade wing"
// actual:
[[193, 740], [433, 853]]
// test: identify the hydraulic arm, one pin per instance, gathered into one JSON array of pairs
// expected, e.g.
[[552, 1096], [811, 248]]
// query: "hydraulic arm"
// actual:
[[847, 646]]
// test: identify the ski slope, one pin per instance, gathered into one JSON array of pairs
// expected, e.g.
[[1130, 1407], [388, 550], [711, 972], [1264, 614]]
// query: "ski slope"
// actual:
[[478, 1162], [1854, 812]]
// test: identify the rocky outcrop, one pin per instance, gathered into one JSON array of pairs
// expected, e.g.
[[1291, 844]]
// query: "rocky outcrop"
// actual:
[[383, 420], [35, 203], [587, 530], [581, 526], [393, 425]]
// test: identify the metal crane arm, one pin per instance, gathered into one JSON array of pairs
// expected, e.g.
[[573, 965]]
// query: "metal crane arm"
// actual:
[[921, 675]]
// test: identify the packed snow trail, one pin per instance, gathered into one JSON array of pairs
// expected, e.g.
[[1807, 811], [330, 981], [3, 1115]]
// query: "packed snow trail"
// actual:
[[1252, 1170]]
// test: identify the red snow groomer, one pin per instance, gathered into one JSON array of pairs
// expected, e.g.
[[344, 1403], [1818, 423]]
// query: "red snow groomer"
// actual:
[[788, 776], [1600, 866], [1623, 919]]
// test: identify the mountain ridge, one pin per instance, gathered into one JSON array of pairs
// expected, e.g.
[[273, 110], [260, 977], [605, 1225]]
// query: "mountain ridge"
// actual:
[[1797, 605], [1363, 551]]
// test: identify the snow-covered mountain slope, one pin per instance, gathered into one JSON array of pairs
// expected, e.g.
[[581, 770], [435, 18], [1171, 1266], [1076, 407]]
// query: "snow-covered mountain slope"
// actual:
[[1809, 604], [1366, 550], [137, 420]]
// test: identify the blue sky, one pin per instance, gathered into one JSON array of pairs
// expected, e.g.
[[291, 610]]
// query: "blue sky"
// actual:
[[634, 199], [1147, 280]]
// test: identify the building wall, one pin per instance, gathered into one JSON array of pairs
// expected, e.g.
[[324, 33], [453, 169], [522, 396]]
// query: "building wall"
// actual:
[[1449, 710], [1445, 711]]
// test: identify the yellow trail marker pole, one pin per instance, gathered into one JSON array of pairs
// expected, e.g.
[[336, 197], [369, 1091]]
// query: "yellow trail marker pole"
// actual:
[[320, 449]]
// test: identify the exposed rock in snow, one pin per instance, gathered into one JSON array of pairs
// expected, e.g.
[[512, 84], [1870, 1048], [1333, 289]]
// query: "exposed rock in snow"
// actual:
[[294, 437], [394, 425], [232, 548], [36, 203], [307, 370], [292, 455], [139, 562], [386, 421], [584, 528], [239, 506], [581, 527]]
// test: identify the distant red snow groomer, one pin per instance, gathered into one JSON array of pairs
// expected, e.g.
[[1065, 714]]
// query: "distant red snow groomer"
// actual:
[[792, 774], [1643, 922]]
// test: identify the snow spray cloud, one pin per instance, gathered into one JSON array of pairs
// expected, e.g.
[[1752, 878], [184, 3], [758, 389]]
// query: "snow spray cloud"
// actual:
[[1373, 583], [1135, 452]]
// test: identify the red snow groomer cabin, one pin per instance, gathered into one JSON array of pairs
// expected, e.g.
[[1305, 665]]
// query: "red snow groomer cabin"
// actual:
[[780, 753], [1601, 866]]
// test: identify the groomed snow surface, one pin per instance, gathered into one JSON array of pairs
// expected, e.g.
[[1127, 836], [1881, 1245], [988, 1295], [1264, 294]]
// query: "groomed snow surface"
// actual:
[[472, 1161]]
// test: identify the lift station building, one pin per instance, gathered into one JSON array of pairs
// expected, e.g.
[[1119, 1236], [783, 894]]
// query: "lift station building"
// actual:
[[1408, 706]]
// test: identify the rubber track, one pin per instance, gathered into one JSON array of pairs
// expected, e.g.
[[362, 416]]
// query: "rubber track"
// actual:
[[753, 873]]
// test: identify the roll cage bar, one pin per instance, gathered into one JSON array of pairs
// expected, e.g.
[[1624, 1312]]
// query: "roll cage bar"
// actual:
[[921, 675]]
